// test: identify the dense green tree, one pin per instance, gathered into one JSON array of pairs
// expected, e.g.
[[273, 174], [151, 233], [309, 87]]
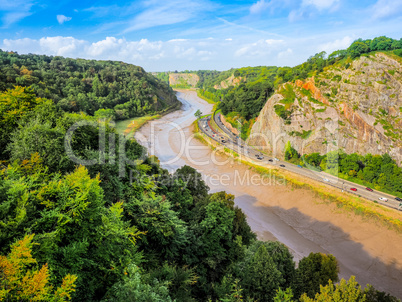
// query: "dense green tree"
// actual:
[[345, 291], [373, 295], [133, 288], [76, 232], [123, 90], [261, 277], [315, 270]]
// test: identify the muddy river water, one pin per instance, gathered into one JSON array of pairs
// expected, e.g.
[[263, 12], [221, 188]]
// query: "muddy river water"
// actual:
[[295, 217]]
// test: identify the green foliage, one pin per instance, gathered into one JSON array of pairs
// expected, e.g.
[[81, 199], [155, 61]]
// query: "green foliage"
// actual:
[[14, 105], [247, 99], [198, 114], [284, 296], [378, 171], [304, 135], [398, 52], [22, 280], [291, 154], [76, 232], [283, 113], [261, 276], [314, 271], [133, 288], [87, 85], [345, 291], [373, 295]]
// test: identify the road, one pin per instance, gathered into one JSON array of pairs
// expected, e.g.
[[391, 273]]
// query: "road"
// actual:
[[225, 137]]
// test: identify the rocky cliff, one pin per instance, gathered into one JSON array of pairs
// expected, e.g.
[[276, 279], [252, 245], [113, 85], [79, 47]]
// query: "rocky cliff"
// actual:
[[183, 79], [230, 81], [354, 106]]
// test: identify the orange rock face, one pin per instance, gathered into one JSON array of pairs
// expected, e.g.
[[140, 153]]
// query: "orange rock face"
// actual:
[[310, 86]]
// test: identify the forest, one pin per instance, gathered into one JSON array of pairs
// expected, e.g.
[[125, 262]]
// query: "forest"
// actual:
[[379, 172], [90, 233], [104, 88]]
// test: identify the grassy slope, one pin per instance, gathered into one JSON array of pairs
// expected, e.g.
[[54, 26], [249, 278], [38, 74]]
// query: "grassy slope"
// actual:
[[130, 126]]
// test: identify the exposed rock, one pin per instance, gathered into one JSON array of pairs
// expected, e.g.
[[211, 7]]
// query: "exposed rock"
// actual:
[[230, 81], [228, 125], [358, 109], [189, 79]]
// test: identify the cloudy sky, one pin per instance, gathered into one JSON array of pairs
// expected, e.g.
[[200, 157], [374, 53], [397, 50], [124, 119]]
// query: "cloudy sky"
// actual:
[[194, 34]]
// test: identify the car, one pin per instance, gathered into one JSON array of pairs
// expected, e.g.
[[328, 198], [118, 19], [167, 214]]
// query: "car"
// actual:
[[353, 189], [299, 166], [282, 166], [397, 198], [270, 160], [327, 180], [383, 199], [276, 159], [223, 141], [369, 189]]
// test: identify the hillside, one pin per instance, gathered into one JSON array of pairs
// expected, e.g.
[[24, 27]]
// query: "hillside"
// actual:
[[123, 90], [183, 80], [355, 106]]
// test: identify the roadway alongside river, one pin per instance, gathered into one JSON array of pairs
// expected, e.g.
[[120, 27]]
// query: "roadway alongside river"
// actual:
[[296, 217], [232, 142]]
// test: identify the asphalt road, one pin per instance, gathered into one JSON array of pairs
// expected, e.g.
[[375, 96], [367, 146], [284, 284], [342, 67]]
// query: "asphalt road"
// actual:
[[225, 137]]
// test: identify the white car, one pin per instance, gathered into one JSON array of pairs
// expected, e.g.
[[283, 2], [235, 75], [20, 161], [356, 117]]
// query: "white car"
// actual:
[[276, 159], [326, 179], [383, 199]]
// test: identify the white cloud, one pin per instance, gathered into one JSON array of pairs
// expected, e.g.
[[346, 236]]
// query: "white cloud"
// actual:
[[260, 48], [259, 7], [262, 5], [336, 45], [61, 19], [284, 54], [62, 46], [321, 4], [386, 8], [309, 8]]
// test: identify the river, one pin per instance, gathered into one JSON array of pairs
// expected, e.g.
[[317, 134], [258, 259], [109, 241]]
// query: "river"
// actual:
[[296, 217]]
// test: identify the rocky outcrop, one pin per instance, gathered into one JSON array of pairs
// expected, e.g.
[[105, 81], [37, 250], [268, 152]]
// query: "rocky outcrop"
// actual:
[[230, 81], [228, 125], [183, 79], [356, 109]]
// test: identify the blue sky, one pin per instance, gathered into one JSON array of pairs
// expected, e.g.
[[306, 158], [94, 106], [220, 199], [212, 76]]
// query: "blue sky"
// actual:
[[194, 34]]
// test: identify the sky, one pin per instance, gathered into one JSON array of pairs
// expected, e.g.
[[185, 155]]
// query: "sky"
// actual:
[[194, 34]]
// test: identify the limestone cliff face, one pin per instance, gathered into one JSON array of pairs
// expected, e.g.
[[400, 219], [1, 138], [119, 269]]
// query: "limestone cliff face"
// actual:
[[357, 109], [188, 79], [230, 81]]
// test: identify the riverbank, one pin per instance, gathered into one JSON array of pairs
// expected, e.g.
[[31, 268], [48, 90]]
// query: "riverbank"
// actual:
[[346, 202], [296, 216], [130, 126]]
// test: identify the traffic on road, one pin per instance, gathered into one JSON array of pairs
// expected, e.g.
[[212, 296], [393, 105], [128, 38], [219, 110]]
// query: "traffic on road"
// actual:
[[230, 140]]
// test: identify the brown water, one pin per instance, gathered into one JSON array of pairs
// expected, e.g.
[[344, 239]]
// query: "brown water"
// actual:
[[296, 217]]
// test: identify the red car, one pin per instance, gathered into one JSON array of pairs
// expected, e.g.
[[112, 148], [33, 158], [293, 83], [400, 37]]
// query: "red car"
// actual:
[[353, 189], [369, 189]]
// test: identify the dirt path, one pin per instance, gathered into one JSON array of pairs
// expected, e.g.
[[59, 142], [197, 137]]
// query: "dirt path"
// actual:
[[296, 217]]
